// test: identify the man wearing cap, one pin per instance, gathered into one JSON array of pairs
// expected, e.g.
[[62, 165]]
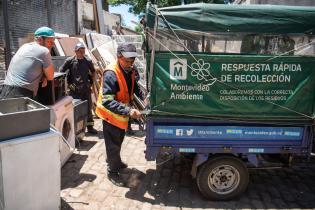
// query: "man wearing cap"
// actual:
[[29, 66], [80, 78], [113, 107]]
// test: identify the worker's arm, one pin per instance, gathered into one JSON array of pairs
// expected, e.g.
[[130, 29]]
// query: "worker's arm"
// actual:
[[66, 65], [91, 71], [49, 72], [91, 66], [48, 75], [48, 67]]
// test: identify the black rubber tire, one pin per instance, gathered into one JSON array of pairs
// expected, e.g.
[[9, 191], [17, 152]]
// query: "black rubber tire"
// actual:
[[225, 167]]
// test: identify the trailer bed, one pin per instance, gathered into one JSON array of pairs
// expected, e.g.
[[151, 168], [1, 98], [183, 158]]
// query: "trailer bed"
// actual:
[[204, 136]]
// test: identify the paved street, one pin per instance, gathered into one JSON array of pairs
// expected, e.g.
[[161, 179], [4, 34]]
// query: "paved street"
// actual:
[[85, 186]]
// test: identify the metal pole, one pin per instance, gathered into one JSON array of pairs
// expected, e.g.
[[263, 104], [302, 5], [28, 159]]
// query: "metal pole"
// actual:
[[203, 43], [48, 13], [7, 46], [153, 51], [97, 27], [76, 18], [100, 15]]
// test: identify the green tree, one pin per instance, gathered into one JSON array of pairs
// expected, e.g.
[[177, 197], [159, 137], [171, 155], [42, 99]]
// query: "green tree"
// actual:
[[138, 29], [105, 5], [138, 6]]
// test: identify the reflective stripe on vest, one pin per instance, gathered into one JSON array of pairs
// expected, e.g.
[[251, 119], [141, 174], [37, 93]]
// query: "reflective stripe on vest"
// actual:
[[122, 96]]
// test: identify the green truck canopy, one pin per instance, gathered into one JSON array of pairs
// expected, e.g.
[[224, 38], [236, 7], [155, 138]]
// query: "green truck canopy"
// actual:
[[240, 86], [237, 18]]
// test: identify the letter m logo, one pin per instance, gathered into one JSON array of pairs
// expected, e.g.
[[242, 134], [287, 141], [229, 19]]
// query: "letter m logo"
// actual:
[[178, 69]]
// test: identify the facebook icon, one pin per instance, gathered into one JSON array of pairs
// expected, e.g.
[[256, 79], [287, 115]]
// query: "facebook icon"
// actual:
[[179, 132]]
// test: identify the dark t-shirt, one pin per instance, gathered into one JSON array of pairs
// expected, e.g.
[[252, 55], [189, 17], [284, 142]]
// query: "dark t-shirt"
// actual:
[[80, 71]]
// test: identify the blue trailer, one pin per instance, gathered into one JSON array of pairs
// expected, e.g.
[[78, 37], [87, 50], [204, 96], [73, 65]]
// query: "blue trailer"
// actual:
[[233, 86], [224, 150]]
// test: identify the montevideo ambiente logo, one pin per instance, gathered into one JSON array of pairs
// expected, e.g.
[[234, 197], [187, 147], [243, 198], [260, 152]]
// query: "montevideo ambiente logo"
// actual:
[[199, 69], [178, 69]]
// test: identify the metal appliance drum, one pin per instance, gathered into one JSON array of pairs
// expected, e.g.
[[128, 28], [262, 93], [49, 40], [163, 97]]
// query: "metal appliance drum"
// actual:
[[62, 115]]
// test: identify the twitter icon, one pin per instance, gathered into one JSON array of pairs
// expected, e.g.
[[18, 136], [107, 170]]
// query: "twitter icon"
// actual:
[[189, 132]]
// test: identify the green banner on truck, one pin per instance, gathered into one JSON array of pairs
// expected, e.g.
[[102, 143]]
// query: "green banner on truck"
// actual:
[[233, 86]]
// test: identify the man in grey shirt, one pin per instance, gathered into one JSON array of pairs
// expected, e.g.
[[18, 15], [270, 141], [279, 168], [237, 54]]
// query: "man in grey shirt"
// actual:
[[29, 66]]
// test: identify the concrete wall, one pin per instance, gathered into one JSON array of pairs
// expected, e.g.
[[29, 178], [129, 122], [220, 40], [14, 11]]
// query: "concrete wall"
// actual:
[[111, 20], [86, 19], [87, 11], [63, 16]]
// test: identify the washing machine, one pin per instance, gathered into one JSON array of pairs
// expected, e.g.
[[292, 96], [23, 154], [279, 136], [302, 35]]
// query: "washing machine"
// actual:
[[63, 120]]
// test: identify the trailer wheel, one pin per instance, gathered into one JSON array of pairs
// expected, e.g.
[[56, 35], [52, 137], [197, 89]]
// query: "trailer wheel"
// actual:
[[222, 178]]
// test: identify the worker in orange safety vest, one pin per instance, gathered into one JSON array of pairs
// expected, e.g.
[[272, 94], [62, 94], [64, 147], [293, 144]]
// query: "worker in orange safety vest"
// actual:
[[113, 107]]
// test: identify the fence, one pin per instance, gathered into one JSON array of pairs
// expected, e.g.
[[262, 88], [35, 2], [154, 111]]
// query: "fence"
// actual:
[[25, 16]]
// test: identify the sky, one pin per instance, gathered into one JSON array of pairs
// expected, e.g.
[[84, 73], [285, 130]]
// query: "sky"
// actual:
[[126, 16]]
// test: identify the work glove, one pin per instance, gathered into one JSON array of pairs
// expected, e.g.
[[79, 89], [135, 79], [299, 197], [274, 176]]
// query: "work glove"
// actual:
[[72, 87]]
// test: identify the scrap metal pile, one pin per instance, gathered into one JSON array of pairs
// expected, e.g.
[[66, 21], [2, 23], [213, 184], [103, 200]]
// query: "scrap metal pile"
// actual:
[[101, 49]]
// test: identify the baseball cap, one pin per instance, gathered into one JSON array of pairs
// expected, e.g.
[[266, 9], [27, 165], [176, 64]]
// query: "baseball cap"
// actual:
[[79, 46], [44, 32], [127, 50]]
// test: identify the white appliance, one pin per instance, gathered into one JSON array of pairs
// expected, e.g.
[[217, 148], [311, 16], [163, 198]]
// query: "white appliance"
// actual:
[[30, 172], [62, 119]]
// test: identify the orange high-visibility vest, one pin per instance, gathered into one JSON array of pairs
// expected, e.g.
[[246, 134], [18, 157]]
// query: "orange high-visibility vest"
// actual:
[[123, 96]]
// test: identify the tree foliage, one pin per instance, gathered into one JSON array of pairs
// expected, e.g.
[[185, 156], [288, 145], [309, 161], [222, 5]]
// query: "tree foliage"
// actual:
[[138, 6]]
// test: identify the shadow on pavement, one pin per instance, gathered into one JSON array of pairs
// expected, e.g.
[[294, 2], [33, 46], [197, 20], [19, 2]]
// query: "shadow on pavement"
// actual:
[[171, 185], [135, 129], [83, 145], [70, 172], [64, 205], [92, 135], [135, 133]]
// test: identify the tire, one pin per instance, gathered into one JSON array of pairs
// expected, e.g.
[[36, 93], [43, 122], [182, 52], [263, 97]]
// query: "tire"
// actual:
[[222, 178]]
